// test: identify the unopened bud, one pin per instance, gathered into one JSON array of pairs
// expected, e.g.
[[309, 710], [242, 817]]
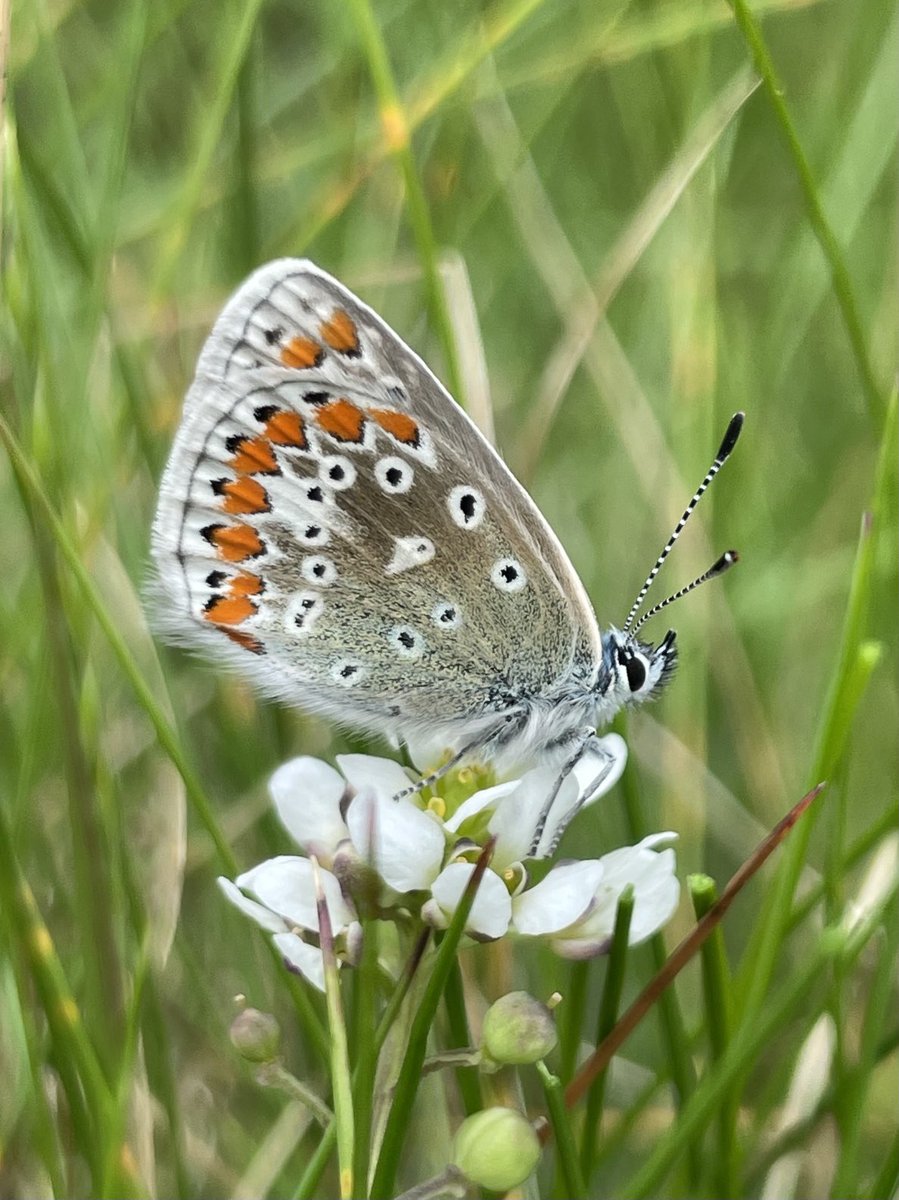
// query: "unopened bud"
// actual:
[[255, 1035], [518, 1029], [496, 1149]]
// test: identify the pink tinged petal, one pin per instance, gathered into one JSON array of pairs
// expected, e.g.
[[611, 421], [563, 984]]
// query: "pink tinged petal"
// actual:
[[486, 798], [492, 909], [307, 794], [591, 765], [302, 957], [384, 775], [405, 845], [256, 912], [287, 886], [560, 900]]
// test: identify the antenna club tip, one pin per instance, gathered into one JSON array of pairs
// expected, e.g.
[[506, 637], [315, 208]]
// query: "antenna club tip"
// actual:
[[730, 436], [728, 559]]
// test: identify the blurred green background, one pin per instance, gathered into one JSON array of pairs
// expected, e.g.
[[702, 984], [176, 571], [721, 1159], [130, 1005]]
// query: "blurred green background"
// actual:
[[604, 205]]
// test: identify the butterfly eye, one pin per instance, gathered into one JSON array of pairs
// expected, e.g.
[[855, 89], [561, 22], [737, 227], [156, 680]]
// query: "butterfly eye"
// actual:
[[636, 672]]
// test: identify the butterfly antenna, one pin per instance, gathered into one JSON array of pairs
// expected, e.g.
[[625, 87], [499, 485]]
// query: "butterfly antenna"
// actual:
[[724, 563], [724, 451]]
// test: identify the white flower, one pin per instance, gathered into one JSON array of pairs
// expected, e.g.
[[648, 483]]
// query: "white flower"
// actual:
[[283, 901], [424, 861], [574, 906]]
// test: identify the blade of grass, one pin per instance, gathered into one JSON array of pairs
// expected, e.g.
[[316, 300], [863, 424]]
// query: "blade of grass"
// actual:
[[567, 1162], [830, 247]]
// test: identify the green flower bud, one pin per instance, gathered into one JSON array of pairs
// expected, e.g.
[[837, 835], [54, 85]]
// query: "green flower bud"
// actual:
[[255, 1035], [496, 1149], [518, 1029]]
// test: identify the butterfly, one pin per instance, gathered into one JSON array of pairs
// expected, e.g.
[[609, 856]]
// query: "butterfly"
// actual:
[[333, 525]]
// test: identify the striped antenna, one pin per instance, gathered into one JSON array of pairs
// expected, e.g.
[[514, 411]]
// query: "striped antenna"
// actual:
[[727, 445], [724, 563]]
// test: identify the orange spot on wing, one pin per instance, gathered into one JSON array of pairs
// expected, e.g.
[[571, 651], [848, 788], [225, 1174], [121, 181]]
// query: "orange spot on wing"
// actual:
[[246, 640], [340, 332], [235, 543], [399, 425], [229, 610], [342, 420], [245, 495], [245, 584], [286, 429], [301, 352], [254, 456]]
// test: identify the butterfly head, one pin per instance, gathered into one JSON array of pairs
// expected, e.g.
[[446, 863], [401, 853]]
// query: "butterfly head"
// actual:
[[635, 670]]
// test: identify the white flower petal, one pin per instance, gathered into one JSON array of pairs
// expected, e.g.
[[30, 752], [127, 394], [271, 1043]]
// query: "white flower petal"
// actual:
[[306, 959], [286, 884], [656, 893], [492, 909], [256, 912], [515, 820], [485, 798], [368, 771], [307, 794], [403, 844], [591, 765], [561, 899]]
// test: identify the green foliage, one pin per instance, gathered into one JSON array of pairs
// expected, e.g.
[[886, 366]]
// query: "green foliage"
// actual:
[[650, 241]]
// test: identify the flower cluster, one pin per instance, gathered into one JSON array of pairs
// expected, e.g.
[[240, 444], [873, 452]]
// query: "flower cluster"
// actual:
[[419, 856]]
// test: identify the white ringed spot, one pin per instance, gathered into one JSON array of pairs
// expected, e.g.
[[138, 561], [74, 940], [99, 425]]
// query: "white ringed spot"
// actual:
[[337, 472], [316, 568], [347, 672], [302, 611], [394, 475], [507, 575], [406, 641], [409, 552], [446, 615], [466, 506]]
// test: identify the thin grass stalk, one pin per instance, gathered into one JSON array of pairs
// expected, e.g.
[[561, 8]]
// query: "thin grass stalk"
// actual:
[[616, 969], [833, 253], [567, 1163], [838, 710], [398, 138], [339, 1064], [572, 1013], [87, 1090], [717, 987], [365, 1008], [857, 1082], [674, 1033], [467, 1079]]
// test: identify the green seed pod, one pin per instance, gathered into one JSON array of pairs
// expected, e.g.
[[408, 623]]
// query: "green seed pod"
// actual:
[[496, 1149], [518, 1029], [255, 1035]]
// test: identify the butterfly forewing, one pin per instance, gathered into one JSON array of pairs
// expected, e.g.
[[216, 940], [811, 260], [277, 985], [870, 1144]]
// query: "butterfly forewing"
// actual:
[[333, 522]]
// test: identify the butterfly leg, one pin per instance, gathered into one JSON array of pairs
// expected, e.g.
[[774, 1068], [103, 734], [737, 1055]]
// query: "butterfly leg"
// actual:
[[586, 743]]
